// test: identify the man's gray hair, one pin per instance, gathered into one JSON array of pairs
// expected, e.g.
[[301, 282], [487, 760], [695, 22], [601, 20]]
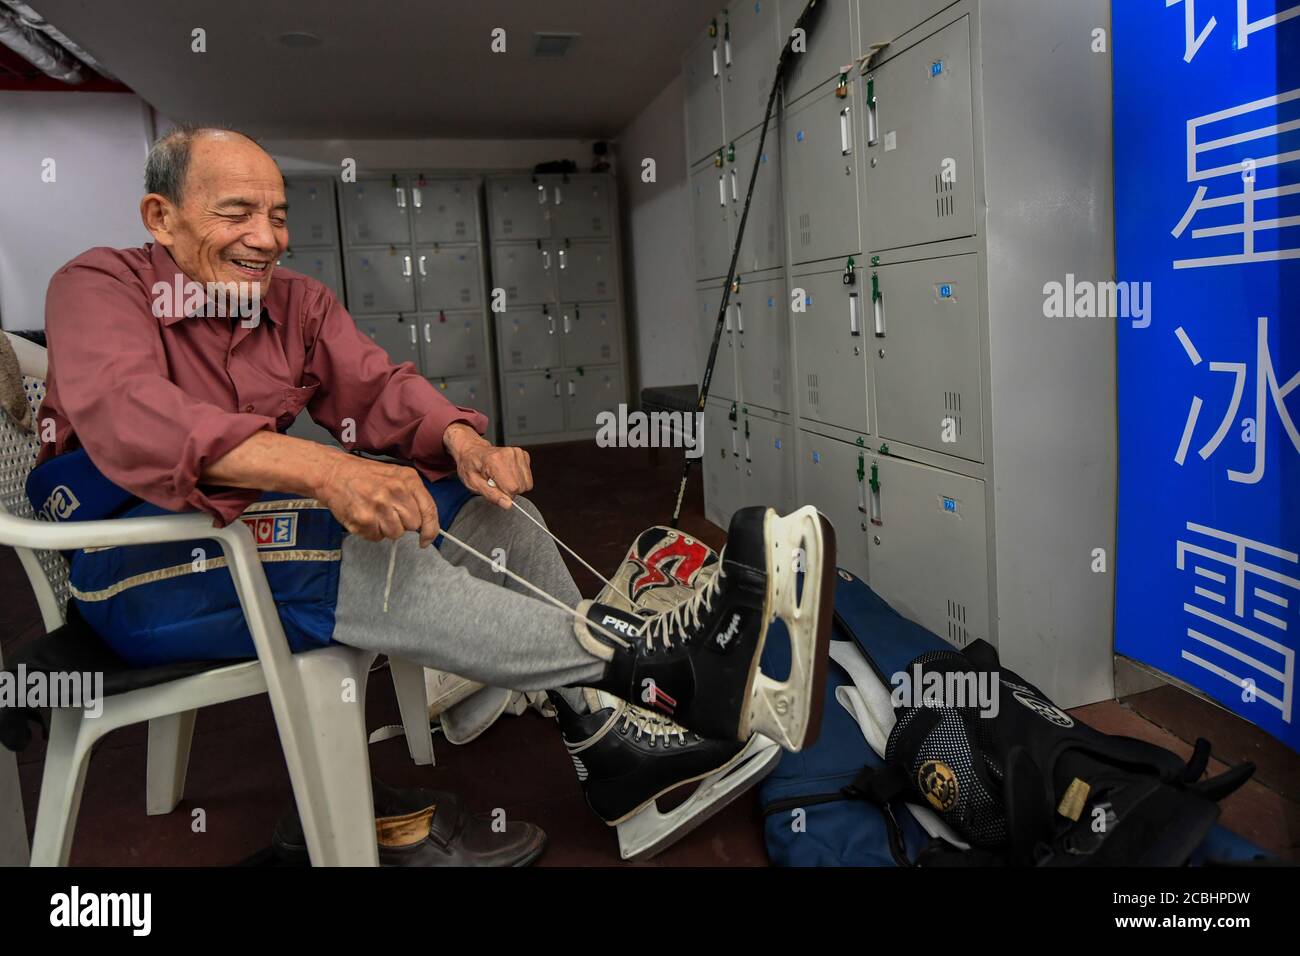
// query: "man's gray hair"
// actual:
[[169, 157]]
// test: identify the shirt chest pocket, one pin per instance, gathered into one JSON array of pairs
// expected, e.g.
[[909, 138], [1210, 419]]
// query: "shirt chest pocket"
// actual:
[[294, 401]]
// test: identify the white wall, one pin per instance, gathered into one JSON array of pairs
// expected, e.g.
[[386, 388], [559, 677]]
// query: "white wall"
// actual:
[[98, 142], [657, 244]]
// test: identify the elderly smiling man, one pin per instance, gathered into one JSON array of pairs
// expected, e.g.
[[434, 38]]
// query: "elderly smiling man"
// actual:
[[164, 406]]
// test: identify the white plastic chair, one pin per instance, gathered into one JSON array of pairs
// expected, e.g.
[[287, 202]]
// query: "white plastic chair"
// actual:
[[322, 734]]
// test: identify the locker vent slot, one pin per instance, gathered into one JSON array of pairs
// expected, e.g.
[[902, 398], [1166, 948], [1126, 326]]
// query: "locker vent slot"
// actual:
[[945, 203], [814, 390], [952, 408], [805, 230], [517, 357], [507, 226], [521, 423], [957, 632]]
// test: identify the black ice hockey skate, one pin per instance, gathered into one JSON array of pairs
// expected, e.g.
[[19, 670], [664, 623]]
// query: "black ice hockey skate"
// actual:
[[698, 663]]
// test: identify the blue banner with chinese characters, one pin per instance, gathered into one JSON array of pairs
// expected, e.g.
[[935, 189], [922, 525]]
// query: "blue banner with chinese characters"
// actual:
[[1207, 202]]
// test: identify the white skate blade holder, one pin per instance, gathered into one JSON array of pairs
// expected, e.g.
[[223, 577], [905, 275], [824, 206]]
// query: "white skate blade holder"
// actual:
[[650, 830], [780, 710]]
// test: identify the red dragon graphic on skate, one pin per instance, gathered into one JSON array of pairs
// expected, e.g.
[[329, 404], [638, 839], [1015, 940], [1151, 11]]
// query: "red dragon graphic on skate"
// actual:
[[675, 559]]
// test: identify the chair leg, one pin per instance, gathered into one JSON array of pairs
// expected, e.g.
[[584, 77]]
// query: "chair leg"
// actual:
[[66, 757], [413, 702], [169, 759], [13, 825], [338, 813]]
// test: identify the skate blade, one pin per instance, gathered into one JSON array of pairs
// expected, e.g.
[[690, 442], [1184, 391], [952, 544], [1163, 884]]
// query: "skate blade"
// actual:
[[790, 711], [649, 830]]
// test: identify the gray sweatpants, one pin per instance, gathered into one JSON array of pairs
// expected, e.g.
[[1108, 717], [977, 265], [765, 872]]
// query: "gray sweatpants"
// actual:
[[449, 610]]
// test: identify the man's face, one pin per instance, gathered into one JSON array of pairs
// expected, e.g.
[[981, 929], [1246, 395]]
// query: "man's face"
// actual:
[[230, 225]]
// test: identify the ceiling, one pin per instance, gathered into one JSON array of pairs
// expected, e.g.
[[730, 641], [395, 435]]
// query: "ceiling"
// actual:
[[390, 68]]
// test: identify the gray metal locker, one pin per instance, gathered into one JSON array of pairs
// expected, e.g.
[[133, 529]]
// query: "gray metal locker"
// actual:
[[821, 198], [589, 332], [381, 280], [396, 335], [763, 343], [466, 393], [703, 93], [313, 219], [721, 462], [928, 551], [723, 383], [448, 277], [321, 264], [580, 206], [927, 362], [524, 270], [711, 213], [445, 210], [519, 207], [534, 404], [833, 479], [752, 26], [920, 178], [376, 210], [829, 46], [585, 268], [590, 391], [763, 246], [832, 335], [528, 338], [767, 455], [452, 343], [883, 21]]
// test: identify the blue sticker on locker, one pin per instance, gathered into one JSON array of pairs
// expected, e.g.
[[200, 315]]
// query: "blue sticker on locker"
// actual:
[[771, 301], [799, 136], [817, 458], [778, 443], [936, 67], [949, 504], [945, 292]]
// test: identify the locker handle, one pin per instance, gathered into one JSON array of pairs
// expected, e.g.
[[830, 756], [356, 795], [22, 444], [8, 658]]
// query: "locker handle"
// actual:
[[740, 319], [417, 197], [878, 305], [715, 59], [406, 266], [572, 391], [563, 259], [855, 323], [722, 191], [541, 195], [401, 198], [726, 47], [846, 133], [566, 323], [727, 316], [557, 389], [558, 198], [862, 488], [550, 325], [546, 260], [876, 517], [428, 333], [735, 191], [423, 271], [415, 340], [873, 116]]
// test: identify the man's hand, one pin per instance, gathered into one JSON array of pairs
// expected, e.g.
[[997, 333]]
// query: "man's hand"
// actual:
[[478, 461], [378, 500]]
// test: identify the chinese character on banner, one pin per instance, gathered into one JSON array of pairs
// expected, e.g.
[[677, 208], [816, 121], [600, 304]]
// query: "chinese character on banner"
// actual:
[[1267, 391], [1245, 25], [1245, 593]]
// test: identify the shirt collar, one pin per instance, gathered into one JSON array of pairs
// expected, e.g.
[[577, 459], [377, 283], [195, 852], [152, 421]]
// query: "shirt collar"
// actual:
[[166, 270]]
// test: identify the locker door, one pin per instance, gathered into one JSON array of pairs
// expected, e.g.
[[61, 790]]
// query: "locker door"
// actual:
[[581, 206], [883, 21], [721, 463], [396, 335], [928, 383], [590, 333], [763, 344], [919, 137], [519, 207], [524, 270], [445, 210], [829, 47], [751, 30], [591, 391], [466, 393], [313, 219], [711, 218], [703, 81], [528, 338], [928, 553], [449, 277], [832, 335], [763, 245], [821, 178], [320, 264], [452, 343], [380, 280], [767, 472], [832, 478], [585, 268], [376, 210], [534, 404], [723, 384]]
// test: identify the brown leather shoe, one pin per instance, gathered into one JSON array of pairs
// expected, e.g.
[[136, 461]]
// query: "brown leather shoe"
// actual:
[[418, 827]]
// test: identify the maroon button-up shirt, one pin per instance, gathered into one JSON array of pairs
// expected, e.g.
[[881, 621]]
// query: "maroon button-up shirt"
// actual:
[[154, 401]]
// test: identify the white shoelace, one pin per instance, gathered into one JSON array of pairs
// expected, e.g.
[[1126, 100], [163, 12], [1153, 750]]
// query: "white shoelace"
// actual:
[[664, 624]]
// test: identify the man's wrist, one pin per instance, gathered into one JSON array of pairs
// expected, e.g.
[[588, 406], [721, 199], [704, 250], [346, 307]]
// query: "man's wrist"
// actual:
[[458, 436]]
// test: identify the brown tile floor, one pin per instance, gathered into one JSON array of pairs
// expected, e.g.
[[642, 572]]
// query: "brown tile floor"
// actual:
[[596, 500]]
